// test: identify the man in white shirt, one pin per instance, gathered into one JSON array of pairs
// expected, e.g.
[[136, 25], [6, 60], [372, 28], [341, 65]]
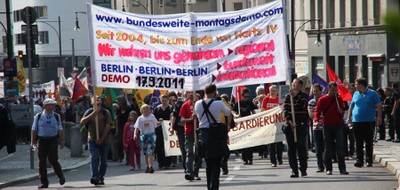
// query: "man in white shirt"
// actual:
[[213, 144]]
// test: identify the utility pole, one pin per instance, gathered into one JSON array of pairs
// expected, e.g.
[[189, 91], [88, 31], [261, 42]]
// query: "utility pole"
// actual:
[[10, 49], [293, 53]]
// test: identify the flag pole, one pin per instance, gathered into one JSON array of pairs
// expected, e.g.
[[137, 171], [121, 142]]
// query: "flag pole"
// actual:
[[96, 118], [293, 118]]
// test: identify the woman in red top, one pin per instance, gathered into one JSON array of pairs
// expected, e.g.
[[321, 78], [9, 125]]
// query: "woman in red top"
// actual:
[[131, 146], [275, 149]]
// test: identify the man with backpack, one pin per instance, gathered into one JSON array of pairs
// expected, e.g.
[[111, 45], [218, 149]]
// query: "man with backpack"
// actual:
[[47, 132], [213, 134]]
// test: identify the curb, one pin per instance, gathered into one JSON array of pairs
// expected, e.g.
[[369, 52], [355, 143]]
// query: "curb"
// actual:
[[393, 165], [31, 177]]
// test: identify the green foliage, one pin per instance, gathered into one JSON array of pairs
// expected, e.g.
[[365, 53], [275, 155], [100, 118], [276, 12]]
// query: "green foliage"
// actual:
[[392, 23]]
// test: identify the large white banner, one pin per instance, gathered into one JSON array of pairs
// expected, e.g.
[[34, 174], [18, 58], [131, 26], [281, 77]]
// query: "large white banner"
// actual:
[[258, 129], [171, 143], [254, 130], [188, 51]]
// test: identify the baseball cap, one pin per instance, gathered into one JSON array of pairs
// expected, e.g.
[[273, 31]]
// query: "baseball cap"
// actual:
[[49, 101]]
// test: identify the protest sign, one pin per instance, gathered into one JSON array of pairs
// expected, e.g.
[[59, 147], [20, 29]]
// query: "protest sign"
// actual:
[[257, 129], [20, 115], [188, 51], [171, 143], [11, 88], [254, 130], [42, 91]]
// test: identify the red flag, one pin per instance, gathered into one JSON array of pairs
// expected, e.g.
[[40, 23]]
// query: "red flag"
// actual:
[[79, 90], [236, 92], [343, 91]]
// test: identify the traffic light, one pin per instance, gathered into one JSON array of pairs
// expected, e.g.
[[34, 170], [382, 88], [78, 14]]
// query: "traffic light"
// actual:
[[20, 55]]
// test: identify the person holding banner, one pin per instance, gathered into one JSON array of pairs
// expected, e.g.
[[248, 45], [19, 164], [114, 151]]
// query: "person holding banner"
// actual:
[[188, 117], [331, 108], [213, 135], [162, 112], [243, 108], [98, 145], [295, 109], [275, 149], [318, 133]]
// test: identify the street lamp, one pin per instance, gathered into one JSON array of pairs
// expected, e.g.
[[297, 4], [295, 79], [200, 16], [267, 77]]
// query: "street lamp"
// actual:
[[77, 28], [140, 4], [58, 35], [4, 28], [318, 41]]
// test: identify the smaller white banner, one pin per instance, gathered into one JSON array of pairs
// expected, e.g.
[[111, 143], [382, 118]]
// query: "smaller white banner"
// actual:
[[258, 129], [171, 143]]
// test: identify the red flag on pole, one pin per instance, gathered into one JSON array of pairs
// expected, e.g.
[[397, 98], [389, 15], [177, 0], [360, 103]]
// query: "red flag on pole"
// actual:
[[79, 90], [236, 90], [343, 91]]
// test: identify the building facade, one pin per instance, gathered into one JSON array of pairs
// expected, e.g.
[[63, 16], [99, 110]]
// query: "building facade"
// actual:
[[354, 41], [54, 34]]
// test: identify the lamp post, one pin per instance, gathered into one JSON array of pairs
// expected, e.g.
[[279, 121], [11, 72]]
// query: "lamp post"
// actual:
[[294, 34], [4, 28], [77, 28], [140, 4], [58, 35]]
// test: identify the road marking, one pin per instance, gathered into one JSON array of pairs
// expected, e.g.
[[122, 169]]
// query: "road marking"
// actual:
[[7, 157], [236, 168], [230, 178]]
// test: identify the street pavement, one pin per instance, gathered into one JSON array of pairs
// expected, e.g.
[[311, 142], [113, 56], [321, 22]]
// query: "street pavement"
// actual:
[[15, 173]]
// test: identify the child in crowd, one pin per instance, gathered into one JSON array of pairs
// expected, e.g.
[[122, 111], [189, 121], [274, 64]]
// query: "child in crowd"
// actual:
[[146, 125], [132, 146]]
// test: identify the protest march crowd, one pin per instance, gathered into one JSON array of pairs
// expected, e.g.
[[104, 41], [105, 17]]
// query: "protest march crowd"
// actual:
[[336, 130]]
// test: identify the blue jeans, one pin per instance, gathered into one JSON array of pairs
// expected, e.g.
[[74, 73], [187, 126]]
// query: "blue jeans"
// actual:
[[334, 135], [98, 155], [319, 147]]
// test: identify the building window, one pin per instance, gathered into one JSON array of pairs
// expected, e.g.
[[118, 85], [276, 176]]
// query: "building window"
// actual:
[[103, 3], [342, 13], [353, 12], [312, 13], [319, 12], [364, 12], [355, 69], [17, 16], [318, 66], [19, 39], [237, 6], [331, 14], [41, 11], [173, 2], [377, 11], [43, 37], [341, 60]]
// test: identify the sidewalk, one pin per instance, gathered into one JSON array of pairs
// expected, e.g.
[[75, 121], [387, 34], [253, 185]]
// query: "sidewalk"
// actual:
[[15, 168], [388, 155]]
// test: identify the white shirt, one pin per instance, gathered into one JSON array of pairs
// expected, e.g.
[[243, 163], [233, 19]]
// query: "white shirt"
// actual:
[[146, 125], [216, 108]]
